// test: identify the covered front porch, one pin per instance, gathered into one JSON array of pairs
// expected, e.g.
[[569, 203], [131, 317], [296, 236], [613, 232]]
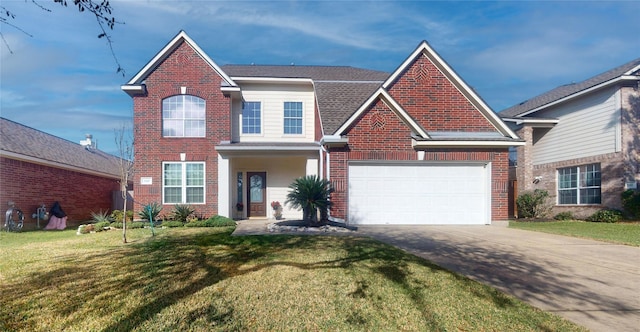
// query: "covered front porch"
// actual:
[[252, 176]]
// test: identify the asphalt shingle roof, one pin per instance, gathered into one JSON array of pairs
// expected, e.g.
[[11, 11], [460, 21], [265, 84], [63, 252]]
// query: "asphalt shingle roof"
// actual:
[[567, 90], [340, 90], [29, 142]]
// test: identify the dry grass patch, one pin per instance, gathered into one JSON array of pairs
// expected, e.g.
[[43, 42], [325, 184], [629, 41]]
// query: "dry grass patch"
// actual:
[[207, 280]]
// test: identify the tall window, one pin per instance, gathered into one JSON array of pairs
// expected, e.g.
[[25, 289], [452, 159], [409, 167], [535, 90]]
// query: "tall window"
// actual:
[[183, 183], [183, 116], [251, 117], [293, 117], [579, 185]]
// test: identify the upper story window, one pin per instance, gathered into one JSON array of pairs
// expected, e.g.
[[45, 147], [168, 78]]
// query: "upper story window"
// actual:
[[183, 116], [251, 117], [579, 185], [293, 117], [183, 183]]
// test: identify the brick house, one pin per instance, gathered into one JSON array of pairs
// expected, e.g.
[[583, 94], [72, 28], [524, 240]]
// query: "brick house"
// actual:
[[38, 168], [416, 146], [582, 141]]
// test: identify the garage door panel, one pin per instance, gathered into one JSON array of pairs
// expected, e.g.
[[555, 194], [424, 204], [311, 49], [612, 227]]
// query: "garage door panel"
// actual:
[[424, 194]]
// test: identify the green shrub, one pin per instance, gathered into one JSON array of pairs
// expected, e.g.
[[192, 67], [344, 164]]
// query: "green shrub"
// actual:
[[631, 203], [566, 215], [154, 208], [116, 224], [220, 221], [136, 224], [533, 204], [215, 221], [100, 216], [182, 212], [100, 226], [608, 216], [116, 215], [172, 223]]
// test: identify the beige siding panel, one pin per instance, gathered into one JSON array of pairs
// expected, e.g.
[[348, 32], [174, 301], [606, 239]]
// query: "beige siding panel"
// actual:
[[588, 126], [272, 98], [281, 172]]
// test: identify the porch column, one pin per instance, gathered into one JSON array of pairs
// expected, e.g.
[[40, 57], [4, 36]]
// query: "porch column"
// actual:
[[312, 166], [223, 187]]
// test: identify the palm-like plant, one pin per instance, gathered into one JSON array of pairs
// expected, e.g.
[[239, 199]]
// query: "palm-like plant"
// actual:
[[311, 193]]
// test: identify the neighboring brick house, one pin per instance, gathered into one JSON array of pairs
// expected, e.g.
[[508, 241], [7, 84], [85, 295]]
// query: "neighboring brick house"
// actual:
[[37, 168], [582, 141], [416, 146]]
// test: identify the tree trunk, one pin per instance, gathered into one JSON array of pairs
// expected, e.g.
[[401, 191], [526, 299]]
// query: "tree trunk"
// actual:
[[124, 219]]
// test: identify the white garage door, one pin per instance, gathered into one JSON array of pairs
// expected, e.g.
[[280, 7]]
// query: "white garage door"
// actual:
[[435, 194]]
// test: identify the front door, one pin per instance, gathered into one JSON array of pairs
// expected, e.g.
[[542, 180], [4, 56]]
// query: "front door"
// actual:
[[257, 194]]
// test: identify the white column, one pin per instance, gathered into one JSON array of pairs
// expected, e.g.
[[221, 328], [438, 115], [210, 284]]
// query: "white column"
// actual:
[[224, 188], [312, 166]]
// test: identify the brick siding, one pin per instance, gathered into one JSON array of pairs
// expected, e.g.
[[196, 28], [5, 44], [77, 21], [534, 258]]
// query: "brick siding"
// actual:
[[29, 185], [182, 68], [434, 102], [380, 135]]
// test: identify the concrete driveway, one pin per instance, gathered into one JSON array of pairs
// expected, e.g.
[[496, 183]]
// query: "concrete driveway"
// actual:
[[594, 284]]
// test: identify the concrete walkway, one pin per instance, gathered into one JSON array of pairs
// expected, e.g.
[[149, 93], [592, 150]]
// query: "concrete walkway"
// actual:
[[594, 284]]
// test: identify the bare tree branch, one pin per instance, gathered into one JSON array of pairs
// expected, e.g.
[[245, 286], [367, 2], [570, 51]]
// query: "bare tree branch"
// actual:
[[101, 10]]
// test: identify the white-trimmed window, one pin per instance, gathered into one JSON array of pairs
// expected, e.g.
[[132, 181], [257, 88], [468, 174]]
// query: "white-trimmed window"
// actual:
[[293, 117], [183, 116], [183, 183], [579, 185], [251, 117]]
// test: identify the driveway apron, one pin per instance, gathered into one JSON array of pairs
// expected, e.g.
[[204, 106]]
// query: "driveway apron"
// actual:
[[594, 284]]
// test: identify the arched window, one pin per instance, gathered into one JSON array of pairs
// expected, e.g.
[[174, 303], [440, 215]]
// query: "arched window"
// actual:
[[183, 116]]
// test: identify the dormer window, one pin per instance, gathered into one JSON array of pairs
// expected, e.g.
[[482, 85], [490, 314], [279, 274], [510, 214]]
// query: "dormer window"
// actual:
[[183, 116]]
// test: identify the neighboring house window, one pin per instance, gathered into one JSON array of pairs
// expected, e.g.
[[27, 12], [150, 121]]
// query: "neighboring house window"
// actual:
[[183, 183], [513, 156], [579, 185], [292, 117], [183, 116], [251, 117]]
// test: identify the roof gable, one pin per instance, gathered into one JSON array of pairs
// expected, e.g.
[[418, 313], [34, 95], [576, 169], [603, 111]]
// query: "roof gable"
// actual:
[[627, 71], [181, 37], [18, 141], [383, 95], [417, 125]]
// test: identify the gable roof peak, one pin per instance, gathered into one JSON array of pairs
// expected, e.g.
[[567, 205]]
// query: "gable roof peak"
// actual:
[[181, 37], [424, 49]]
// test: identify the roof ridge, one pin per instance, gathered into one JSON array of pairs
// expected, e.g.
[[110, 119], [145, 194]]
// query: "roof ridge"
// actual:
[[565, 90]]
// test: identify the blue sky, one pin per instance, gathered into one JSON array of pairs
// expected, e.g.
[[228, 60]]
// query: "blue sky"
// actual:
[[63, 80]]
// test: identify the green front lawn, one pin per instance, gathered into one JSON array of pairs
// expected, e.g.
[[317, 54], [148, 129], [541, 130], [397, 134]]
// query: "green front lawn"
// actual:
[[622, 233], [203, 279]]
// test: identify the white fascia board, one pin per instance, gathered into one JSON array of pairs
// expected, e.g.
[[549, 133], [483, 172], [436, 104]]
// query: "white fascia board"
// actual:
[[520, 121], [333, 139], [272, 80], [133, 90], [392, 104], [151, 65], [465, 144], [49, 163], [267, 148], [631, 71], [583, 92], [458, 82]]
